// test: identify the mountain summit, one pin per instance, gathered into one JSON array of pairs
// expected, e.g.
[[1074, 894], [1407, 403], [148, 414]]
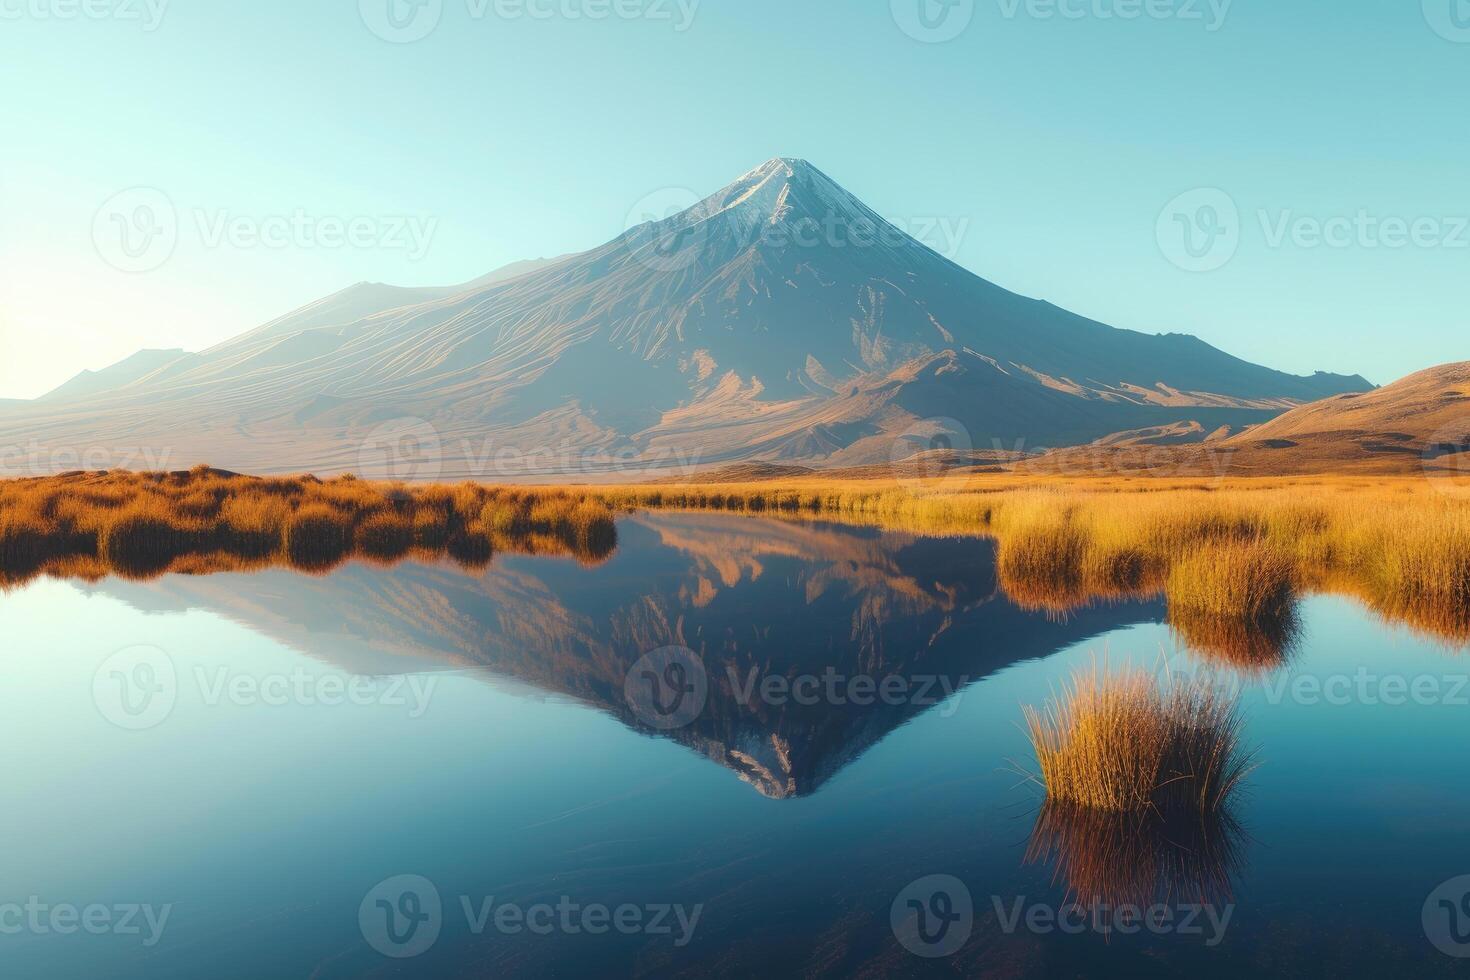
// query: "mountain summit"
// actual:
[[778, 319]]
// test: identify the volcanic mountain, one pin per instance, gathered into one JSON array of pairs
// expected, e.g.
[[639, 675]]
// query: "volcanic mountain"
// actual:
[[779, 319]]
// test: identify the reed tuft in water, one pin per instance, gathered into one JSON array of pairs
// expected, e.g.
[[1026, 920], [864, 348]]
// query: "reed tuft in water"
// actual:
[[1125, 742]]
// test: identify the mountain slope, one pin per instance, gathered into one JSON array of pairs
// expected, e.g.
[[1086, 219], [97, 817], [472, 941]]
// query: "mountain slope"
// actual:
[[778, 319]]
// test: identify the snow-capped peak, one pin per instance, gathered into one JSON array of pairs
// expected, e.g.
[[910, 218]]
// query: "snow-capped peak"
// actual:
[[781, 189]]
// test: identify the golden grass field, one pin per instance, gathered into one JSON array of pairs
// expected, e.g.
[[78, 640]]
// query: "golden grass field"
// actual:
[[138, 525], [1230, 556]]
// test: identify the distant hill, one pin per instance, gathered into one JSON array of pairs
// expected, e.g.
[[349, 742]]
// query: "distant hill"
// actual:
[[1419, 423], [778, 320], [119, 375]]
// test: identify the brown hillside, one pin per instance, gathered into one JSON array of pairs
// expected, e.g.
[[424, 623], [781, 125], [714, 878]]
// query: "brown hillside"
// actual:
[[1421, 423]]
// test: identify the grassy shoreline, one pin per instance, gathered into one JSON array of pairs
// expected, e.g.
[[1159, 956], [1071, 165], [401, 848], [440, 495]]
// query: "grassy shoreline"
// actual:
[[1230, 556]]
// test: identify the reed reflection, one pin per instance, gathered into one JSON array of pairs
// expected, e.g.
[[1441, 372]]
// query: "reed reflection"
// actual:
[[1138, 858]]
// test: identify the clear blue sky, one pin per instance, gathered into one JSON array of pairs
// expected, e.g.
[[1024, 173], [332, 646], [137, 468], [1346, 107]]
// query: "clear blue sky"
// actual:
[[1056, 142]]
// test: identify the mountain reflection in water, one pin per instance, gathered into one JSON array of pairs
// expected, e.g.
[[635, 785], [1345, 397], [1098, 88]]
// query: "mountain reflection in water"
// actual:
[[777, 612]]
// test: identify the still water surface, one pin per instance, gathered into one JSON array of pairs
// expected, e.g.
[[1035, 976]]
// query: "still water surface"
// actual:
[[217, 775]]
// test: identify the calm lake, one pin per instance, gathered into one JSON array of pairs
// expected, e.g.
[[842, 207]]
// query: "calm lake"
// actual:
[[737, 747]]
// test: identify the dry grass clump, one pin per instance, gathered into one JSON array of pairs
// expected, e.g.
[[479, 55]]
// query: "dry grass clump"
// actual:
[[1124, 743], [1236, 602], [317, 538], [146, 537], [1252, 647], [1040, 561], [385, 536], [1234, 580]]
